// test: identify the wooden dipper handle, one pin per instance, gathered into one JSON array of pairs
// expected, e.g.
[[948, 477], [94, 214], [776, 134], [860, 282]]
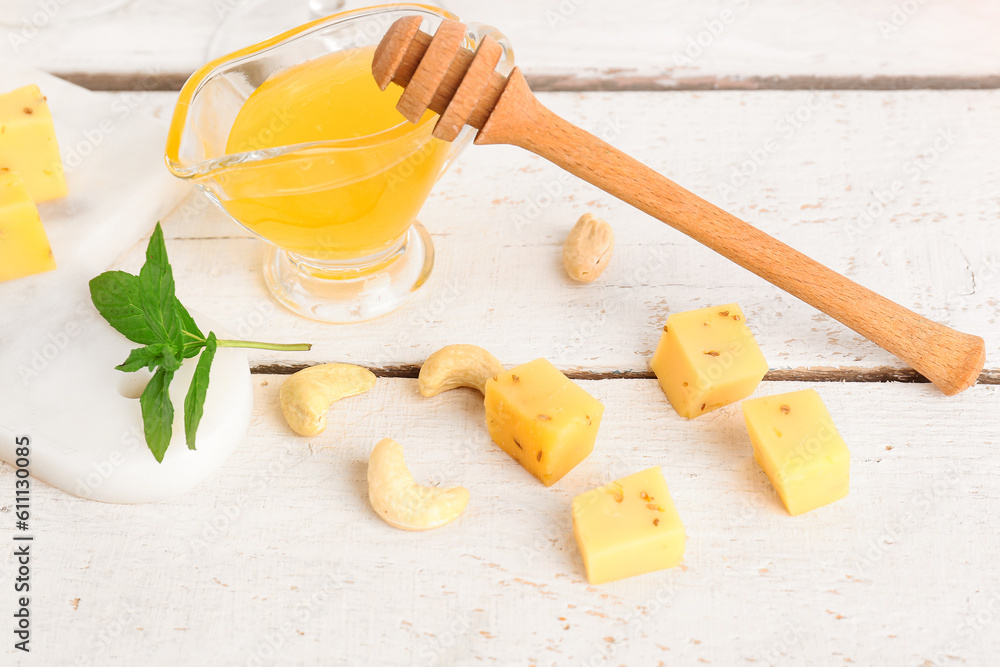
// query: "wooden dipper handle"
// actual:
[[437, 73]]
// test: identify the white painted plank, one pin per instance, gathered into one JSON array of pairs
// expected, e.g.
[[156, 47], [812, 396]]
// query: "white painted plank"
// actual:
[[934, 247], [278, 560], [675, 41], [590, 43]]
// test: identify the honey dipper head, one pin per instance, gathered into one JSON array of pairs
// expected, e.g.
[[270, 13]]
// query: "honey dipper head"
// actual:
[[390, 51], [440, 74]]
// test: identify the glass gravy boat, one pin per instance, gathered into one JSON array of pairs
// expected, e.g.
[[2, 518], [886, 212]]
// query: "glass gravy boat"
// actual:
[[340, 214]]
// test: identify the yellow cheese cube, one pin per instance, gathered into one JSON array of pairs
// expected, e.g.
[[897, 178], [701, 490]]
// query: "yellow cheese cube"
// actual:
[[544, 420], [628, 527], [798, 446], [24, 247], [28, 143], [707, 359]]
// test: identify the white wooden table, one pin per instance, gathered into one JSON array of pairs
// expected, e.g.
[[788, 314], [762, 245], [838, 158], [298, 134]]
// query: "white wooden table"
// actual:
[[795, 116]]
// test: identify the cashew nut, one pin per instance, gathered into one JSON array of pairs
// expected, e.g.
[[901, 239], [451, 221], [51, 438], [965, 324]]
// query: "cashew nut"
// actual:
[[457, 366], [400, 501], [308, 394], [588, 248]]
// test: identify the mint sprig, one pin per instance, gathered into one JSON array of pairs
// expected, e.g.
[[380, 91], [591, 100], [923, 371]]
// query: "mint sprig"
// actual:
[[145, 310]]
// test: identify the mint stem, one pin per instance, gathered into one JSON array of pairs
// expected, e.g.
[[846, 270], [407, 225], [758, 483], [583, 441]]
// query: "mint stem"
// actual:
[[294, 347]]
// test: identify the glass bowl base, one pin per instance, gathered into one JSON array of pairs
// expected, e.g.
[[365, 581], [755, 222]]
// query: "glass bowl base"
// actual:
[[342, 294]]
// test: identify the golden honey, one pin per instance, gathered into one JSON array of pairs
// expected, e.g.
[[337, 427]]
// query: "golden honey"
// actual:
[[359, 174]]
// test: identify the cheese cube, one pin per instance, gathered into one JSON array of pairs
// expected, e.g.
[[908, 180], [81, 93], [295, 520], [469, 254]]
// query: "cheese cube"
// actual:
[[798, 446], [28, 143], [24, 247], [544, 420], [628, 527], [707, 359]]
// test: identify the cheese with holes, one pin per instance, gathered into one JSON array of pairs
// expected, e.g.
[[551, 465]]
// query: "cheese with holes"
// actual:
[[707, 359], [797, 444], [28, 143], [24, 247], [542, 419], [628, 527]]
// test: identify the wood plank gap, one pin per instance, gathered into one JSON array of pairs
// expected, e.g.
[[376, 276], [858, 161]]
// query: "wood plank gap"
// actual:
[[820, 374], [612, 80]]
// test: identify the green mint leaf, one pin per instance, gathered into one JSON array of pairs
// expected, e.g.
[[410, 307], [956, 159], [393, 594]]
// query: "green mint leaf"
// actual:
[[156, 292], [116, 296], [149, 357], [158, 413], [194, 403], [191, 349], [192, 336], [172, 358]]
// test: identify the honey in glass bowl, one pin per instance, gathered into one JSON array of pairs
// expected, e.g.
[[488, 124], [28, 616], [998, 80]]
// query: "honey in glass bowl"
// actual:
[[361, 197], [293, 140]]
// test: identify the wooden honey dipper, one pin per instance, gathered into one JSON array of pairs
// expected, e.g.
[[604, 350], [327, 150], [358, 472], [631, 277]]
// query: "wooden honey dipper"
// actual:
[[463, 87]]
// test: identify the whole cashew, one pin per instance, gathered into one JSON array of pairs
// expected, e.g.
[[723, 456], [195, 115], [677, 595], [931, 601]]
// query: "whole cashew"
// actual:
[[588, 248], [307, 395], [400, 501], [457, 366]]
